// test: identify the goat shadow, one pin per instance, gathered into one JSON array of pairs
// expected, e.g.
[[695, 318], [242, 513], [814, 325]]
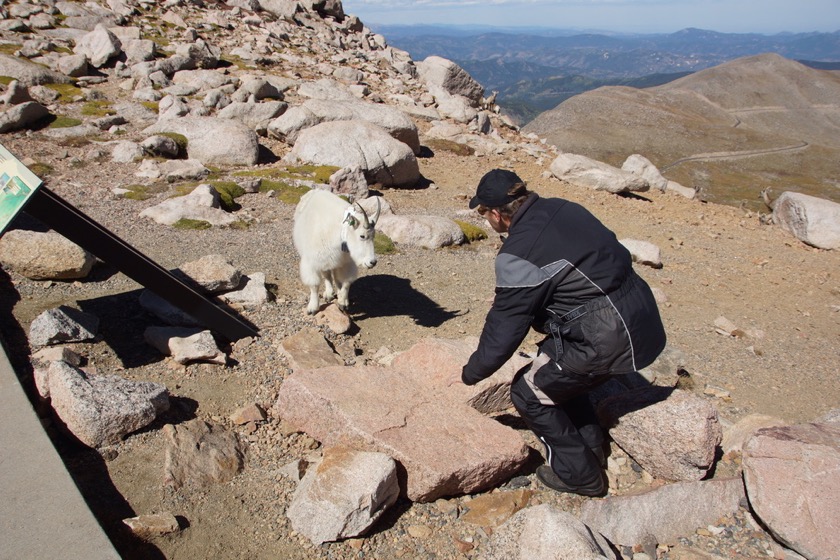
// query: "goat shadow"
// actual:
[[384, 295]]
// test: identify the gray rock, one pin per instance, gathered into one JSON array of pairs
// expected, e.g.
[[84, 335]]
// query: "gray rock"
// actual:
[[671, 433], [212, 274], [641, 166], [545, 532], [257, 116], [202, 79], [812, 220], [666, 513], [586, 172], [152, 525], [736, 435], [98, 46], [74, 65], [456, 107], [201, 453], [431, 232], [29, 73], [643, 252], [308, 349], [201, 204], [62, 324], [438, 71], [23, 115], [16, 93], [44, 255], [314, 111], [326, 90], [251, 293], [214, 141], [383, 159], [172, 170], [163, 146], [323, 511], [125, 151], [185, 345], [101, 410], [677, 188], [201, 52], [139, 50], [791, 477], [280, 8], [350, 181]]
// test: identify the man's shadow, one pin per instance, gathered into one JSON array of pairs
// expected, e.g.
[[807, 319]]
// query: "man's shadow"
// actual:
[[384, 295]]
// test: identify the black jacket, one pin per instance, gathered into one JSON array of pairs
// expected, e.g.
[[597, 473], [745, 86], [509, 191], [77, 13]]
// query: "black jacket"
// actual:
[[562, 272]]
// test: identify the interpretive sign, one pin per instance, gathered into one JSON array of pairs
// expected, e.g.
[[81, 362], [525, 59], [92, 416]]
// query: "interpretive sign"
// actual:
[[17, 185]]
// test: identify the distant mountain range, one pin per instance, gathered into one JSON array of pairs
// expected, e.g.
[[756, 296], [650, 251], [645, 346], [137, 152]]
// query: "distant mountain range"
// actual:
[[536, 69], [728, 131]]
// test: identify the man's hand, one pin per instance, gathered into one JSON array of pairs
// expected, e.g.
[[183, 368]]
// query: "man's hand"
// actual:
[[469, 378]]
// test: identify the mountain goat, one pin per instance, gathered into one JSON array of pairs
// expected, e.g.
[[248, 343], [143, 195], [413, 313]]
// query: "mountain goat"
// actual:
[[489, 103], [332, 237]]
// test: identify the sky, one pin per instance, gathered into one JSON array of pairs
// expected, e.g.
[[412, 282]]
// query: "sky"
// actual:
[[626, 16]]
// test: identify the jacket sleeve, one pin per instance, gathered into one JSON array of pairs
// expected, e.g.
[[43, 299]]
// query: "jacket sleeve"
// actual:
[[506, 326]]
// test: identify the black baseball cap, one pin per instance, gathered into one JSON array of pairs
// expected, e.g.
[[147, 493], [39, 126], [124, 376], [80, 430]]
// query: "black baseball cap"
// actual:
[[493, 188]]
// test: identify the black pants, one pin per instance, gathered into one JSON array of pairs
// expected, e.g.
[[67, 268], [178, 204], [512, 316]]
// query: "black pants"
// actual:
[[555, 404]]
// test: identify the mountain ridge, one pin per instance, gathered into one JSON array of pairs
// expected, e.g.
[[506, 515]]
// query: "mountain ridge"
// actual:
[[525, 67], [730, 131]]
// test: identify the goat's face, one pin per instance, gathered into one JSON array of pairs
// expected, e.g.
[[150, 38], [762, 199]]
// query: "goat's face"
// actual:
[[360, 231]]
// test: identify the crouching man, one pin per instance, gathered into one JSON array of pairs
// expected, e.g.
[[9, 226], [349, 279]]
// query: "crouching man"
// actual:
[[563, 273]]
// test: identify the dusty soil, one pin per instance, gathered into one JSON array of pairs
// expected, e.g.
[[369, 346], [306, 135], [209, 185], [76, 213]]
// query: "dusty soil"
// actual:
[[718, 261]]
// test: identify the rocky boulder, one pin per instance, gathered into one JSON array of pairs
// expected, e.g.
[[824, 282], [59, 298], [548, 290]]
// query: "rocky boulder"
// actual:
[[791, 477], [672, 434], [314, 111], [101, 410], [44, 255], [323, 510], [587, 172], [438, 71], [812, 220], [213, 141], [382, 158], [545, 532]]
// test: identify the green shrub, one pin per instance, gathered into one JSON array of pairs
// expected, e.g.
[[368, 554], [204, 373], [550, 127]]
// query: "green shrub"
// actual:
[[10, 48], [471, 232], [98, 108], [41, 170], [383, 245], [318, 173], [66, 92], [64, 122], [186, 223], [228, 193], [439, 144], [142, 192], [286, 193]]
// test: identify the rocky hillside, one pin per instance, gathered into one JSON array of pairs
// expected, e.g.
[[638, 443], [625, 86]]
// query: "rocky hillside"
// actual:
[[125, 106], [730, 131]]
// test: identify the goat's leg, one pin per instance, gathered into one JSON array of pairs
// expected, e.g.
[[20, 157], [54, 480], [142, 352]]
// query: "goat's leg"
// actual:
[[343, 277], [312, 279], [330, 285]]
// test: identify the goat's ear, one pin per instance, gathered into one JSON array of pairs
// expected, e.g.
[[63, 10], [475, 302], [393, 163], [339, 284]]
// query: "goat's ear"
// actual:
[[351, 220]]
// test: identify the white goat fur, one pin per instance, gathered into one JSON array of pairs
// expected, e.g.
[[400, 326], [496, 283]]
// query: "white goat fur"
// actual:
[[323, 223]]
